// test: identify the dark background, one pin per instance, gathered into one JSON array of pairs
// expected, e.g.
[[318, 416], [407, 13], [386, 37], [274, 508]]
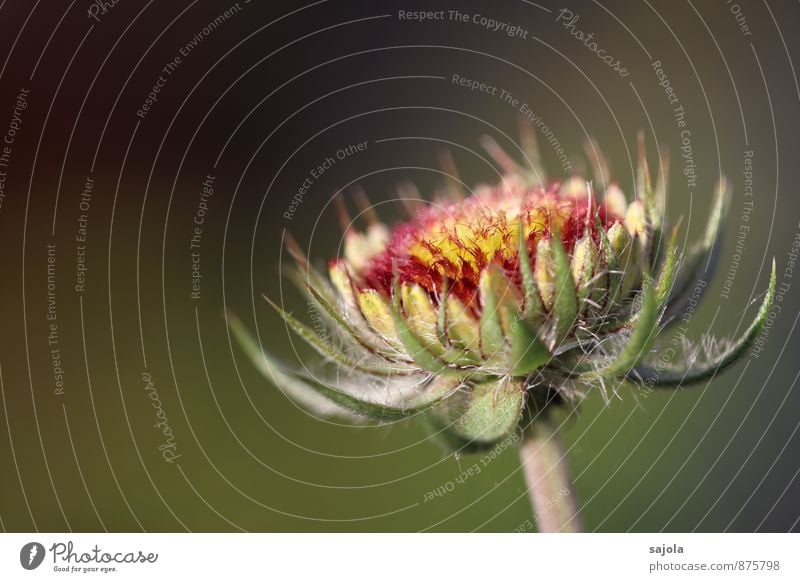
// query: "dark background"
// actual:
[[262, 100]]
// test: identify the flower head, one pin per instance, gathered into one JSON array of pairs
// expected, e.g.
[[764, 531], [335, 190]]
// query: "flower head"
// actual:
[[481, 310]]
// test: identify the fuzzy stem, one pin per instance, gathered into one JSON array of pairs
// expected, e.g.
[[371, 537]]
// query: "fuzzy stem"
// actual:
[[544, 463]]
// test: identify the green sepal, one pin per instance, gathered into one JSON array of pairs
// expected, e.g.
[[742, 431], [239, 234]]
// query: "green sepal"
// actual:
[[305, 274], [644, 189], [308, 335], [447, 355], [484, 412], [425, 354], [325, 305], [504, 327], [533, 308], [613, 275], [666, 276], [293, 381], [658, 205], [565, 306], [645, 326], [415, 347], [706, 252], [528, 352], [719, 210], [493, 339], [437, 389], [441, 314], [648, 375], [438, 347], [449, 440]]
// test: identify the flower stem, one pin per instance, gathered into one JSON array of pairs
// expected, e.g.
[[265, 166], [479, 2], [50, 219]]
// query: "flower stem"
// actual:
[[544, 463]]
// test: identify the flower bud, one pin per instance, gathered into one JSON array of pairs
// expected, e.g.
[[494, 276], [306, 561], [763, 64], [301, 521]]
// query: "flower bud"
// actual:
[[575, 187], [614, 200], [359, 248], [636, 221], [434, 307]]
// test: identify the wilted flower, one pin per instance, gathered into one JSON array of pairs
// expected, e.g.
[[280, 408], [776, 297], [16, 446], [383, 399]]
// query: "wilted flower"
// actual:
[[481, 312]]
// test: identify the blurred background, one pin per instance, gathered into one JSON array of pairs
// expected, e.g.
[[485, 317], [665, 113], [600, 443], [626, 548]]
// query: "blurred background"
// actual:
[[151, 156]]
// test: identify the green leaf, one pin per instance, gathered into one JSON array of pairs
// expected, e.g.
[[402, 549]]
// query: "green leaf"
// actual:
[[671, 376], [295, 382]]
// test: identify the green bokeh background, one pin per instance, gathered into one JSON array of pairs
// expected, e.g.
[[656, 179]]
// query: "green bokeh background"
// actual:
[[267, 101]]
